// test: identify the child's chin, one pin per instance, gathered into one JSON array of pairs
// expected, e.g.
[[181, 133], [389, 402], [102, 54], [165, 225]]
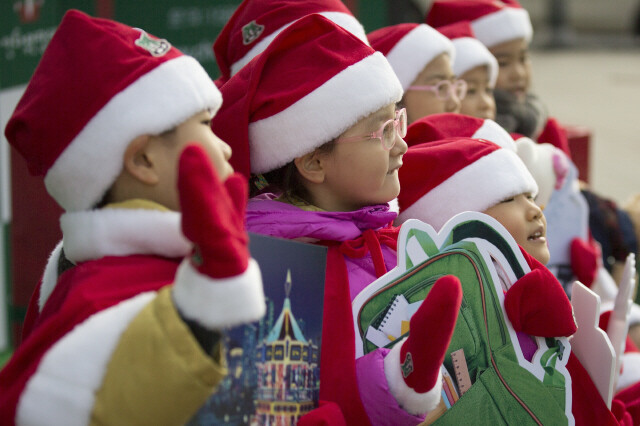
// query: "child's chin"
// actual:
[[542, 255]]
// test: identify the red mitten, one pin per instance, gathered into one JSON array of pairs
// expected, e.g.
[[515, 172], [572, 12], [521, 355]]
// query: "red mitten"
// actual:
[[213, 215], [585, 260], [219, 285], [430, 331], [537, 305]]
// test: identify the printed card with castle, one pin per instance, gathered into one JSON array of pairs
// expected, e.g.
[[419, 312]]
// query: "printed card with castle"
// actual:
[[274, 363]]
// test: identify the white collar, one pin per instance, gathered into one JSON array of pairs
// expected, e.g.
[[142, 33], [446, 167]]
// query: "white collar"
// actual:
[[89, 235]]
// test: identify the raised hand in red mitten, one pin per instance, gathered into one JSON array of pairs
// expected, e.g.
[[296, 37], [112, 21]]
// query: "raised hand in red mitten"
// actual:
[[585, 260], [220, 285], [537, 305], [416, 386], [213, 215], [430, 332]]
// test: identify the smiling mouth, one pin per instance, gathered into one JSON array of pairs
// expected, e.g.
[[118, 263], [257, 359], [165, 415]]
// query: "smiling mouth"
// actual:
[[537, 236]]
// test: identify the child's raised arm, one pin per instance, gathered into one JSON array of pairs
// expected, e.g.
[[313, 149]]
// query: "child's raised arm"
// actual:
[[219, 285]]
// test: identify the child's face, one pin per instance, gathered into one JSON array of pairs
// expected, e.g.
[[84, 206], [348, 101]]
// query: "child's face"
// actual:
[[196, 129], [422, 103], [526, 223], [363, 173], [514, 67], [479, 101]]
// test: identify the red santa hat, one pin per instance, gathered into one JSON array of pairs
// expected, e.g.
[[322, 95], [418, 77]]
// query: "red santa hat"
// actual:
[[409, 48], [99, 85], [493, 21], [441, 179], [257, 22], [451, 125], [470, 52], [313, 82]]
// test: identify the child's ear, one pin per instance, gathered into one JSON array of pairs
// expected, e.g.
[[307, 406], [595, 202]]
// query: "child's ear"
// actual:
[[138, 161], [311, 166]]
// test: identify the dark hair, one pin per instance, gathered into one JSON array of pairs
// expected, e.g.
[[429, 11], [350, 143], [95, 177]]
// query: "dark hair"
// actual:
[[106, 199], [286, 179], [401, 103]]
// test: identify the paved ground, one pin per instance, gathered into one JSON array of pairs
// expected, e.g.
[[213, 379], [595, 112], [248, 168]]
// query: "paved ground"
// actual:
[[599, 89]]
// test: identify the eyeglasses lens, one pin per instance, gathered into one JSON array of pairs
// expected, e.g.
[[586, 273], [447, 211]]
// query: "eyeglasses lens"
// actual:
[[460, 89], [444, 89], [402, 125], [396, 127], [389, 135]]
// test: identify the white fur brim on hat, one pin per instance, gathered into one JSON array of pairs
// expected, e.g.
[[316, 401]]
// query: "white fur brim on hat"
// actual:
[[471, 53], [480, 185], [415, 50], [324, 114], [493, 132], [346, 21], [502, 26], [156, 102]]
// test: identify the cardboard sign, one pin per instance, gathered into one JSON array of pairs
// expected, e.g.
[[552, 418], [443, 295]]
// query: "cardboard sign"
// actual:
[[482, 254], [567, 217], [619, 321], [590, 343]]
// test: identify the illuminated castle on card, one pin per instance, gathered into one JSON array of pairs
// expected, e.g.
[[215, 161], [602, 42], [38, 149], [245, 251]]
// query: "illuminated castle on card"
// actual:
[[288, 374]]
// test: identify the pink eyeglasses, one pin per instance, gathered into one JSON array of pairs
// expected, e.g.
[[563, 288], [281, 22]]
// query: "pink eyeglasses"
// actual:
[[387, 133], [445, 89]]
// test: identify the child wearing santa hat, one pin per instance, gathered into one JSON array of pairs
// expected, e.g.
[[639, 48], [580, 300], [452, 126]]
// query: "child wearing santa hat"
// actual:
[[477, 67], [550, 169], [505, 29], [123, 327], [448, 125], [421, 57], [316, 115], [487, 178], [466, 170], [255, 24]]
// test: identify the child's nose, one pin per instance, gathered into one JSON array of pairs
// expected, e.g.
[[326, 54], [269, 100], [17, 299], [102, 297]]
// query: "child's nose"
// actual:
[[518, 71], [533, 211], [226, 150], [453, 104], [486, 100], [400, 146]]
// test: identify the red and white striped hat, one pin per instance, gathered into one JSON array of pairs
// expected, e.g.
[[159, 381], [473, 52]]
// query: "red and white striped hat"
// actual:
[[257, 22], [311, 84], [493, 21], [443, 178], [451, 125], [470, 52], [409, 48], [99, 85]]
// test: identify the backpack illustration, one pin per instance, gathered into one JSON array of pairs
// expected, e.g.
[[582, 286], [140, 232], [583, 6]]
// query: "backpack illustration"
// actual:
[[503, 386]]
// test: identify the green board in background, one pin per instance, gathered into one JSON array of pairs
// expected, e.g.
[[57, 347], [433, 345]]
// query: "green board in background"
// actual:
[[191, 26]]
